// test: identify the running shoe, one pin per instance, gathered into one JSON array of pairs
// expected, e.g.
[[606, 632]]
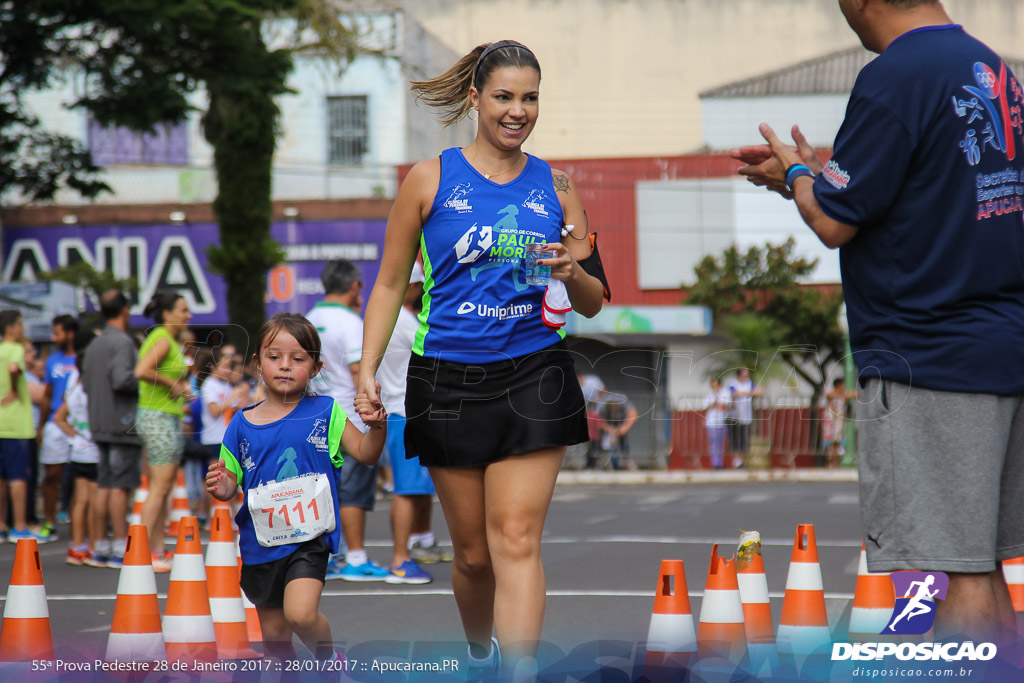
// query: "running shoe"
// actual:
[[429, 554], [62, 517], [334, 567], [484, 669], [408, 572], [13, 535], [77, 558], [3, 535], [367, 571], [161, 563], [96, 560], [115, 562], [45, 533]]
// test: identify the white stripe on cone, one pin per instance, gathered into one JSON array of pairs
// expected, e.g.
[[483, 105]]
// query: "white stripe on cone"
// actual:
[[188, 567], [227, 610], [753, 588], [804, 576], [671, 633], [869, 619], [137, 580], [221, 554], [192, 628], [721, 607], [136, 647], [26, 602], [1014, 573]]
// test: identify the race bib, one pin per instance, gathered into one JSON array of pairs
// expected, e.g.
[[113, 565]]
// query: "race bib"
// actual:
[[292, 511]]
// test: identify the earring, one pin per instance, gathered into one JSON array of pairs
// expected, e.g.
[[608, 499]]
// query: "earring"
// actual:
[[469, 114]]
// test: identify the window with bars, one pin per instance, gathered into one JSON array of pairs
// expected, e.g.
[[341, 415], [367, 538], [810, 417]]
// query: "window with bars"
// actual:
[[166, 145], [347, 133]]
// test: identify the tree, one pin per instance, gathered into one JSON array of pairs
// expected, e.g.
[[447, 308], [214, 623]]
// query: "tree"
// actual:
[[144, 59], [33, 162], [758, 296]]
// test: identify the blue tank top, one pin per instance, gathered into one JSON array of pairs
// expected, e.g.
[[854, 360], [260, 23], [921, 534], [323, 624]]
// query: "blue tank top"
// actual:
[[477, 307]]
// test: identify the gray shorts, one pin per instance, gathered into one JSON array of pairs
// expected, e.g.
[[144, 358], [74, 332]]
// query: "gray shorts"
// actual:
[[940, 477], [357, 486], [119, 467]]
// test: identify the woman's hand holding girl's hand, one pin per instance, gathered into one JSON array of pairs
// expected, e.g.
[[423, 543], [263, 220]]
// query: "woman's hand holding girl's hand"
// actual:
[[562, 263], [369, 390], [372, 414]]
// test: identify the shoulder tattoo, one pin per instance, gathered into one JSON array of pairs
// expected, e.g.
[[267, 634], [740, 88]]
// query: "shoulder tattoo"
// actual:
[[561, 182]]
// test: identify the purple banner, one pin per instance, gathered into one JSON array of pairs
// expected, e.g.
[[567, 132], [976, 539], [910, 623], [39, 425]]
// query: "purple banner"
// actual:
[[174, 257]]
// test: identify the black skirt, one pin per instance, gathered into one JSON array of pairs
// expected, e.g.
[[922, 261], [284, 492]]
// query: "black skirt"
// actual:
[[470, 415]]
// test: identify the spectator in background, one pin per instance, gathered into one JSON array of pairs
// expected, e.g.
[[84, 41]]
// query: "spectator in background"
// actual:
[[73, 419], [833, 424], [593, 394], [34, 371], [164, 389], [55, 450], [741, 414], [222, 393], [108, 379], [194, 457], [16, 428], [716, 409], [618, 415], [337, 320]]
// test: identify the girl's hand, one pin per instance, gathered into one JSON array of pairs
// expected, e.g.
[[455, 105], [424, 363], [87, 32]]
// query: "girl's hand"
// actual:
[[217, 481], [374, 417], [562, 264], [369, 392]]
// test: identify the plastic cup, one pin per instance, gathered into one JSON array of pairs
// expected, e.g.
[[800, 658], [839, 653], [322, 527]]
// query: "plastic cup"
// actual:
[[537, 275]]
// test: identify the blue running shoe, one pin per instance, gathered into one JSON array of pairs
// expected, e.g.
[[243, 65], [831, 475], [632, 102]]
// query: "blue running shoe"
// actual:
[[13, 536], [115, 562], [409, 572], [486, 669], [334, 567], [96, 560], [367, 571]]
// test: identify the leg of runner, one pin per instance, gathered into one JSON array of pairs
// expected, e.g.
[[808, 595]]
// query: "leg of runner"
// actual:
[[461, 492], [302, 613], [277, 634], [518, 495], [978, 606]]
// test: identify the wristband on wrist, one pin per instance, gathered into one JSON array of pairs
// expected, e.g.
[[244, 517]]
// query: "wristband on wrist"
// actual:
[[795, 171]]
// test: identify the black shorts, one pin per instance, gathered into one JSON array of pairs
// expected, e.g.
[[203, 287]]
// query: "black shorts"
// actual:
[[264, 583], [739, 438], [470, 415], [84, 470]]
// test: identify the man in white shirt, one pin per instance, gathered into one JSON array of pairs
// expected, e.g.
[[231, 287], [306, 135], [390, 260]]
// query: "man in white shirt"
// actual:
[[741, 391], [337, 320]]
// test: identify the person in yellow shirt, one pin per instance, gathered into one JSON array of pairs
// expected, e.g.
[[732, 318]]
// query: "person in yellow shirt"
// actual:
[[15, 427]]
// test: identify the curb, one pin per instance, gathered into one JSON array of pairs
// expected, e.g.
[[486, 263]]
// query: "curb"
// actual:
[[570, 477]]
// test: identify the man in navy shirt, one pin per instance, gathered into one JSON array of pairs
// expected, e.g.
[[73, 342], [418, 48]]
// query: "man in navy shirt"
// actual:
[[924, 194]]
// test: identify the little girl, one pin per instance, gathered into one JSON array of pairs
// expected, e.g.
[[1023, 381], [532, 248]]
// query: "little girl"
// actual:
[[285, 452]]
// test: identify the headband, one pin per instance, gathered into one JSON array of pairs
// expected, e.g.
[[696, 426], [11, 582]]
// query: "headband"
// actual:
[[494, 47]]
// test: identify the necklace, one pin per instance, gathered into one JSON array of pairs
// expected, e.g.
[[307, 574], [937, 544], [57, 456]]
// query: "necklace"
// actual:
[[507, 170]]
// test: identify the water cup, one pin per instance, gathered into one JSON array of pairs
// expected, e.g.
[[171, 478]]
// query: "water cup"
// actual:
[[537, 275]]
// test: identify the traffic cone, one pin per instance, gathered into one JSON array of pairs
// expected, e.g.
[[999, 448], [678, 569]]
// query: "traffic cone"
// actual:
[[803, 626], [1013, 572], [757, 610], [179, 505], [141, 494], [135, 634], [188, 624], [225, 596], [25, 633], [721, 630], [873, 602], [671, 640], [252, 618]]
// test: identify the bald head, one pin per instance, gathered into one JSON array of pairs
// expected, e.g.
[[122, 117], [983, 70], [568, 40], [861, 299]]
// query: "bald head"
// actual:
[[113, 304]]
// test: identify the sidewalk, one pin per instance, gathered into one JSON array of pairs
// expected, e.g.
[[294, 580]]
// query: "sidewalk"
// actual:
[[570, 477]]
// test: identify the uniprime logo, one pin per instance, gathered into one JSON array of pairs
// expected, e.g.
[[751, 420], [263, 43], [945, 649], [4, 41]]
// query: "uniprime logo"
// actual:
[[836, 177], [499, 312], [914, 613]]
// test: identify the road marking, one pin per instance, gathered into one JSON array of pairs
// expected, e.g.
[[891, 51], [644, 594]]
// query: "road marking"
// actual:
[[844, 499], [570, 497], [601, 519], [754, 498], [787, 542], [442, 592]]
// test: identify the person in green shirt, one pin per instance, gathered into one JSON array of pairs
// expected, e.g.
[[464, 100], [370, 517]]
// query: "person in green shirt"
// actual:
[[16, 428], [164, 389]]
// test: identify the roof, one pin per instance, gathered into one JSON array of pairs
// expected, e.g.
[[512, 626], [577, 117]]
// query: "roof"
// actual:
[[833, 73]]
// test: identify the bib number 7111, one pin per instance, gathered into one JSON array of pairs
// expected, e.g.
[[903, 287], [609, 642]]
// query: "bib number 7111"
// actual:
[[297, 509], [292, 511]]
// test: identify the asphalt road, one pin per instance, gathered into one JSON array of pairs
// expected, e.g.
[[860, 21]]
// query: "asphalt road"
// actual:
[[603, 546]]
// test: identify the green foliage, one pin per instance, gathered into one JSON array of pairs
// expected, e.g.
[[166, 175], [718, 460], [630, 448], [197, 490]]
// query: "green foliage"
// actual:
[[94, 282], [757, 298]]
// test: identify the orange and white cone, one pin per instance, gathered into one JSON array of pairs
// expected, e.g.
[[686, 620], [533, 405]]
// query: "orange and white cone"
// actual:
[[671, 639], [179, 505], [25, 634], [188, 624], [803, 626], [135, 634], [225, 596], [873, 602], [721, 632], [757, 609], [252, 618], [1013, 572], [141, 494]]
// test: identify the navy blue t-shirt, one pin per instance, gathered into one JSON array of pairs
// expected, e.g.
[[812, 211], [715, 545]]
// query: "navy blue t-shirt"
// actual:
[[929, 166]]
